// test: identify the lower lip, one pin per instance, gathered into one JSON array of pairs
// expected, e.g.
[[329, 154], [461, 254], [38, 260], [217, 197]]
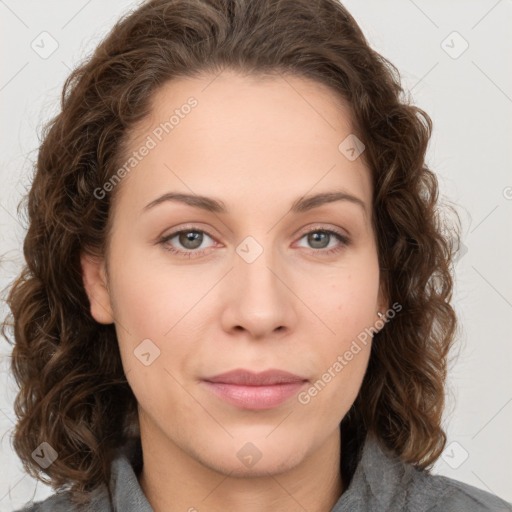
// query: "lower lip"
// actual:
[[255, 397]]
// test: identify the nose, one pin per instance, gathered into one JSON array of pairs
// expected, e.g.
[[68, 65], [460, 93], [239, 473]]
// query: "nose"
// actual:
[[259, 299]]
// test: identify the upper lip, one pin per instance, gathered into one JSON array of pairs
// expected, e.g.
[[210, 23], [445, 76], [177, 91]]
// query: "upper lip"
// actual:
[[247, 378]]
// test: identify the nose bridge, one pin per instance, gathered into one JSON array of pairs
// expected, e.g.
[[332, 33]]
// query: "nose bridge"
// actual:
[[261, 302], [253, 266]]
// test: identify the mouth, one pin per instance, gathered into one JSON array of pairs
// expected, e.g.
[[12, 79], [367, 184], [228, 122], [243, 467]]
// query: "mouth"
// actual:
[[256, 391]]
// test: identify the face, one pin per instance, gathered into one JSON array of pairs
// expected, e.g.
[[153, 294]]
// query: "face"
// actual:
[[249, 279]]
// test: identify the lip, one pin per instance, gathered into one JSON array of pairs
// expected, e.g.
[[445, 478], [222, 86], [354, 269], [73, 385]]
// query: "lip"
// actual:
[[243, 377], [256, 391]]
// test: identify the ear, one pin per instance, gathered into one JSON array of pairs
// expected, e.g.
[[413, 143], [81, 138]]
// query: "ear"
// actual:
[[95, 284]]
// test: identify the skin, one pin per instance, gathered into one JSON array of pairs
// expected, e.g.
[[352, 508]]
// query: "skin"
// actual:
[[258, 145]]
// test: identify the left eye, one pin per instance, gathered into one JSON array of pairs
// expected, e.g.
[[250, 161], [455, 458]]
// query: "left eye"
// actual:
[[192, 239], [319, 237]]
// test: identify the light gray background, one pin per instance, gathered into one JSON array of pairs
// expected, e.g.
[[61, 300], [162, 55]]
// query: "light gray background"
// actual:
[[470, 101]]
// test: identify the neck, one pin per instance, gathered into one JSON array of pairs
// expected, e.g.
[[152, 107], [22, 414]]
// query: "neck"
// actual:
[[174, 480]]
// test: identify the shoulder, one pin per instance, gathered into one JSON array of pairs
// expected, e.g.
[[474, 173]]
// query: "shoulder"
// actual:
[[384, 482], [55, 503], [127, 495], [437, 493], [61, 502]]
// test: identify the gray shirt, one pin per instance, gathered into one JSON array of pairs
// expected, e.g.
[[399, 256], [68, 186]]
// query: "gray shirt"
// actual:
[[381, 483]]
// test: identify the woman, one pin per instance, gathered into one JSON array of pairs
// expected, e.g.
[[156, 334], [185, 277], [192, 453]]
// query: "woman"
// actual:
[[237, 291]]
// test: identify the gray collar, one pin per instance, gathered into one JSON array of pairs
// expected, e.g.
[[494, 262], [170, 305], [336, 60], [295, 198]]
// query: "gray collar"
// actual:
[[127, 495], [385, 483]]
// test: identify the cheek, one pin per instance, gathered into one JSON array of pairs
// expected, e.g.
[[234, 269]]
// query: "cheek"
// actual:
[[347, 308], [350, 366], [156, 312], [151, 297], [330, 395], [347, 298]]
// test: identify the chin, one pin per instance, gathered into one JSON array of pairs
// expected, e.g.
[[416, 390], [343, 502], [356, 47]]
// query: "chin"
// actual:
[[274, 466], [242, 459]]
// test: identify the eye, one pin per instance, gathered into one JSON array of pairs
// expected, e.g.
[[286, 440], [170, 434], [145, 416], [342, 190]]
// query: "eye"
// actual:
[[319, 240], [190, 239]]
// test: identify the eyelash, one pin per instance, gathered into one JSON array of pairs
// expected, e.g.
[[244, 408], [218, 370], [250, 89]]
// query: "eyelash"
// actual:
[[197, 253]]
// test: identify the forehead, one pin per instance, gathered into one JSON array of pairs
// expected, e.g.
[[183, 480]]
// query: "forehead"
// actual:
[[258, 107], [246, 134]]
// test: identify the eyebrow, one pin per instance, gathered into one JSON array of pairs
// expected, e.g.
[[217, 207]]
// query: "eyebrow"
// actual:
[[303, 204]]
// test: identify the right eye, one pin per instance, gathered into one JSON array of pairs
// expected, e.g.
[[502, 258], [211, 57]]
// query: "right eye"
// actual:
[[189, 238]]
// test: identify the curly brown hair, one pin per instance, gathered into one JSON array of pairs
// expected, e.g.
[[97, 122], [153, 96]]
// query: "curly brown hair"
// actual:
[[73, 393]]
